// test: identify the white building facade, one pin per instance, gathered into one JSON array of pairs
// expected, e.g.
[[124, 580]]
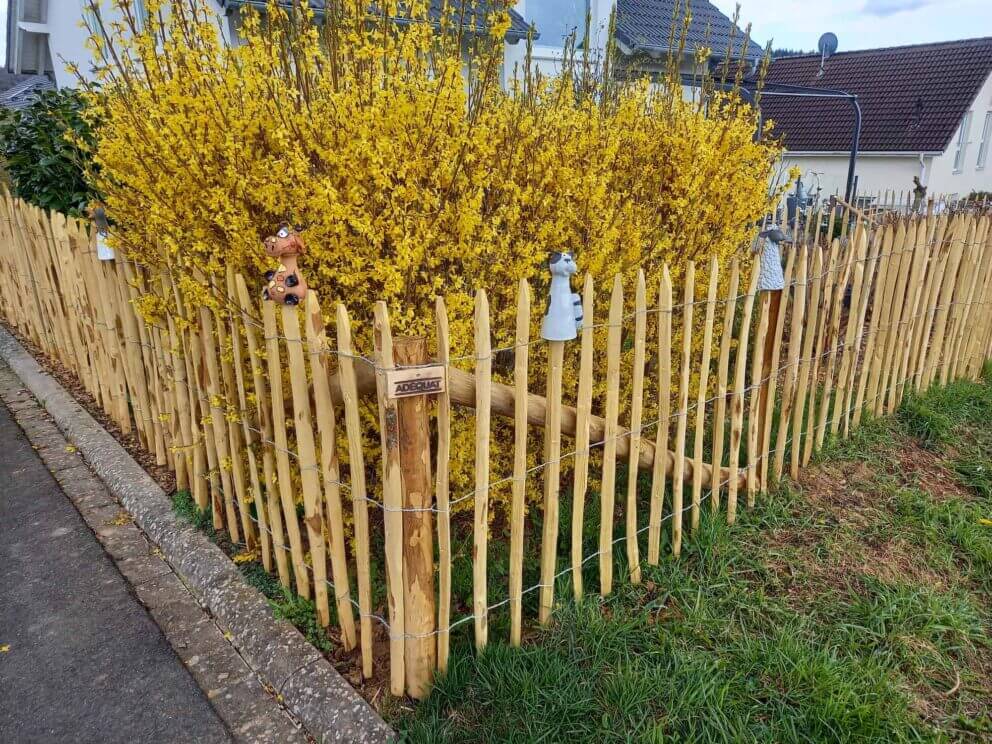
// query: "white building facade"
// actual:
[[44, 35], [927, 113]]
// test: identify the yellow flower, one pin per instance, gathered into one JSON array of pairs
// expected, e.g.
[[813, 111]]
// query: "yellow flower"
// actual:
[[410, 181], [245, 556]]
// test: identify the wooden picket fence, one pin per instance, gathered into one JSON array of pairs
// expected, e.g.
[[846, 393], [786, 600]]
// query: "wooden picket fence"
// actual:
[[257, 409]]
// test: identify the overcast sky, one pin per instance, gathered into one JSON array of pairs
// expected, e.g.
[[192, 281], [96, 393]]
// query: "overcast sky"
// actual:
[[863, 24]]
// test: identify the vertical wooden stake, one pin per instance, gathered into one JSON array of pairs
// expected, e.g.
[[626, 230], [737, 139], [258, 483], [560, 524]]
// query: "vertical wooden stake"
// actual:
[[443, 489], [833, 337], [520, 358], [659, 475], [264, 430], [552, 475], [720, 416], [320, 368], [392, 500], [359, 499], [413, 427], [868, 275], [217, 412], [281, 446], [753, 415], [701, 390], [607, 491], [636, 413], [737, 401], [877, 304], [821, 329], [789, 398], [584, 411], [483, 409], [313, 513], [678, 471], [770, 371]]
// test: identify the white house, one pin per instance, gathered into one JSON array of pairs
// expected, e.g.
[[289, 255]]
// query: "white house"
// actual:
[[927, 112], [44, 34], [643, 31]]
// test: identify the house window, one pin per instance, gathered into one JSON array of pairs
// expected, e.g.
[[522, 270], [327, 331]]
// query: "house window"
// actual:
[[90, 16], [141, 14], [962, 148], [556, 19], [983, 149]]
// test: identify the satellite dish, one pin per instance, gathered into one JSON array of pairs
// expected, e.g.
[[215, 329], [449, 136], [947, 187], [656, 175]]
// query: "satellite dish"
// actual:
[[827, 46]]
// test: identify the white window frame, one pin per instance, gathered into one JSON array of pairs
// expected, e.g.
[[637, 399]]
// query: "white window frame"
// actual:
[[983, 148], [141, 14], [89, 16], [962, 149]]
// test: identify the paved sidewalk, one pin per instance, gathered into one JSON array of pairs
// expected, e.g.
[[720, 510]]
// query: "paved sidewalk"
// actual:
[[85, 661]]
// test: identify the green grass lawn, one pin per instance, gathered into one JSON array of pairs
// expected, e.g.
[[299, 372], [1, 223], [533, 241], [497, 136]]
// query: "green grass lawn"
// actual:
[[853, 606]]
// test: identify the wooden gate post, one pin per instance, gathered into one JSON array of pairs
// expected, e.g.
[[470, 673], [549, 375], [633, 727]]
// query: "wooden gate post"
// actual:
[[420, 650]]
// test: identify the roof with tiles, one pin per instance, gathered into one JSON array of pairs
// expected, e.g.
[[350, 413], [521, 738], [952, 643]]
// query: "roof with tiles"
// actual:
[[475, 13], [647, 25], [912, 97], [24, 91]]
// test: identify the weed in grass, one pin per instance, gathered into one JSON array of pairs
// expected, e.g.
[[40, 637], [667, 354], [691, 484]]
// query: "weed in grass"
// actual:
[[302, 614], [975, 471], [265, 582], [185, 507], [925, 421], [862, 445], [950, 531], [907, 624]]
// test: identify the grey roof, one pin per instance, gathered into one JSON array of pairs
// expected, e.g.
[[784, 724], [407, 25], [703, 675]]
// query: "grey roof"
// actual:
[[9, 79], [646, 26], [912, 98], [475, 13], [22, 93]]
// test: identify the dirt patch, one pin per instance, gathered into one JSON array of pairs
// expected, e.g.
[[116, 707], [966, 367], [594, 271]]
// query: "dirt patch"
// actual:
[[895, 561], [841, 489], [917, 467], [853, 543], [374, 689]]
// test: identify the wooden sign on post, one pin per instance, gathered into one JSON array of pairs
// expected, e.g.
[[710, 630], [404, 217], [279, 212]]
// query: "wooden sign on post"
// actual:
[[405, 383]]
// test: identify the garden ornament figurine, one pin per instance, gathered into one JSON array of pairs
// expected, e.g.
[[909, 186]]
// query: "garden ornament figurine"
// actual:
[[286, 286], [564, 318], [771, 277], [98, 214], [919, 195], [771, 284]]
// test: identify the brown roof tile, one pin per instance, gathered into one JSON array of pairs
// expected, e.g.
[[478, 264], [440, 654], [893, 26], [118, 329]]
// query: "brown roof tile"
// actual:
[[912, 97]]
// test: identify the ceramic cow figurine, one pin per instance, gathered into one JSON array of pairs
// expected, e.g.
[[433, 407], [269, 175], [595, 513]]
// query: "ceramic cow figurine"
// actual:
[[564, 318], [285, 285]]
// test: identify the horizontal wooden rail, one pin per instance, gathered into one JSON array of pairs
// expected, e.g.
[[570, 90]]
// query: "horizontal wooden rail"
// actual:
[[461, 389]]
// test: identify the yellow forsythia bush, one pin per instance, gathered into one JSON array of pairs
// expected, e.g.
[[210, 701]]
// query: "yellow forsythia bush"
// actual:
[[413, 170]]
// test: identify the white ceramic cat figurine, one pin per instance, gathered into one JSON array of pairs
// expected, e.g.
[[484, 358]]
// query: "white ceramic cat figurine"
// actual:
[[564, 317]]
